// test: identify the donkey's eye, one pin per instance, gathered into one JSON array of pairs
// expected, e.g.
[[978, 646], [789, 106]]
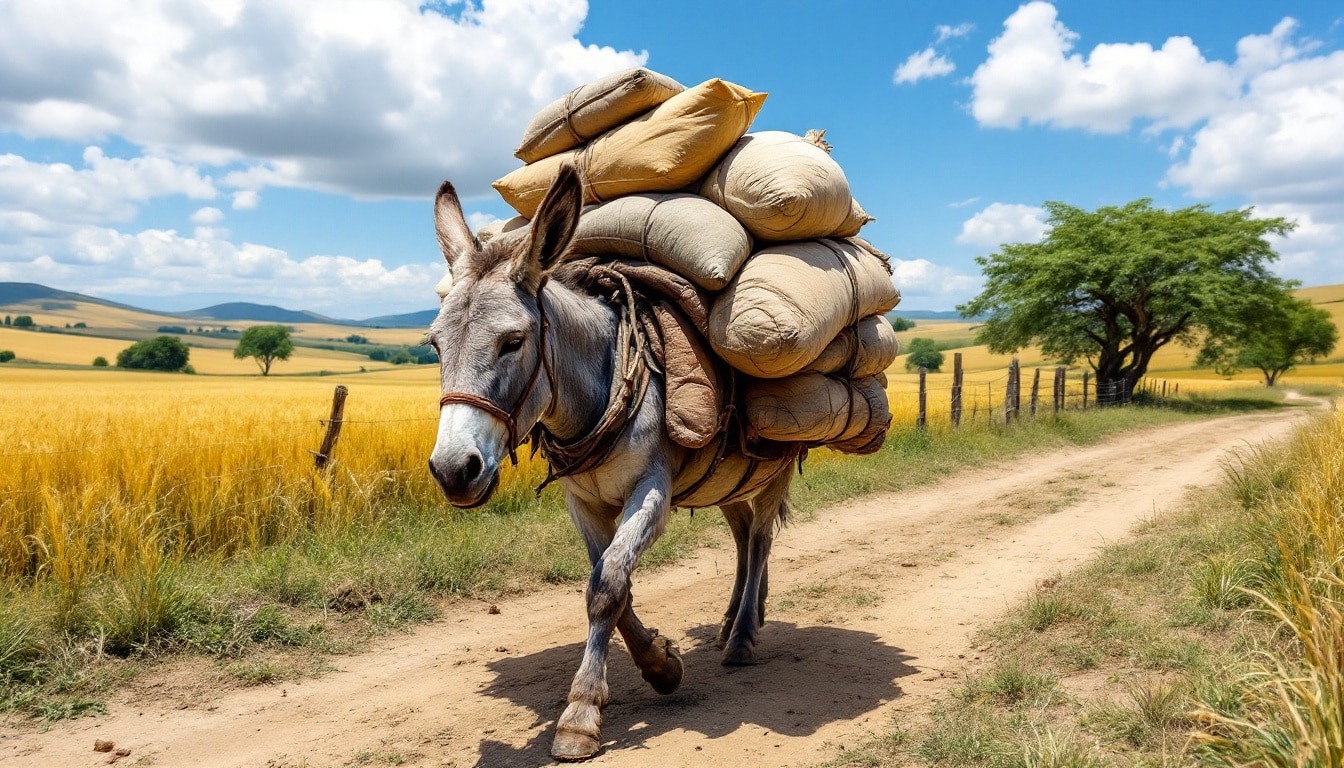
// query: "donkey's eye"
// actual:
[[510, 345]]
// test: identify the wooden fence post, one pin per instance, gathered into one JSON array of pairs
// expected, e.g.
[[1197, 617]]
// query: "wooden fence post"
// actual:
[[956, 389], [1087, 375], [1059, 388], [923, 398], [1013, 404], [323, 454], [1035, 390]]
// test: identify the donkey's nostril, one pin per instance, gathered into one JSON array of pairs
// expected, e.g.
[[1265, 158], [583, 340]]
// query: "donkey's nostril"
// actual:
[[472, 469]]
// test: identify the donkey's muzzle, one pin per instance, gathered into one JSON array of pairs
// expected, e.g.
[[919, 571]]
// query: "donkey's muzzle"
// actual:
[[465, 480]]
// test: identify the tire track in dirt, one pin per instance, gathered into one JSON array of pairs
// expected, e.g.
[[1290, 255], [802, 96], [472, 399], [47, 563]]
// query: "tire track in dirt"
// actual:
[[873, 603]]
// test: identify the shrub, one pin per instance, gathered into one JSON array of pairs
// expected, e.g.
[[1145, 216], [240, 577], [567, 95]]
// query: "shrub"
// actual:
[[923, 353], [172, 329], [6, 355], [378, 355], [161, 353], [355, 338], [80, 325], [100, 362], [24, 321], [899, 323]]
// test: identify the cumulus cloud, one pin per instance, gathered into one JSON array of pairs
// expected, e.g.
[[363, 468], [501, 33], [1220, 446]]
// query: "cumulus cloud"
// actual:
[[924, 284], [1032, 75], [367, 97], [158, 262], [207, 216], [923, 65], [106, 189], [1000, 223], [947, 32]]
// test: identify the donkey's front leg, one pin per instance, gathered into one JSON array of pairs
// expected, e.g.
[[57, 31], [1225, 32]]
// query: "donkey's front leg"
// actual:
[[578, 730]]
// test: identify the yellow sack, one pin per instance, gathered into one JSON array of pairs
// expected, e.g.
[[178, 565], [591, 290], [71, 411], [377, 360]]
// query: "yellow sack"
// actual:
[[818, 409], [662, 151], [591, 109]]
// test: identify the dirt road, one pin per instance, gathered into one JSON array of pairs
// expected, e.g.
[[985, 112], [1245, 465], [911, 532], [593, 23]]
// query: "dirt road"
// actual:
[[872, 607]]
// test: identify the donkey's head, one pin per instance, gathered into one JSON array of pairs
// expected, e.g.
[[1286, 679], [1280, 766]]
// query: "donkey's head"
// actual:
[[489, 336]]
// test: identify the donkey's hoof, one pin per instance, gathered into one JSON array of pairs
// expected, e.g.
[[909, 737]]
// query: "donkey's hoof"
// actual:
[[725, 630], [573, 746], [739, 656], [666, 676]]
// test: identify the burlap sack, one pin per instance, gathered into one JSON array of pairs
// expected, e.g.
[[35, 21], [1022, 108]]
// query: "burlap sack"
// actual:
[[591, 109], [664, 150], [685, 233], [499, 228], [785, 187], [694, 396], [789, 301], [817, 409], [878, 348]]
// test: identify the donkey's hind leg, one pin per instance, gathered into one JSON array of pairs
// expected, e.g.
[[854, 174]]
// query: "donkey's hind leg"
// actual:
[[738, 515], [768, 511]]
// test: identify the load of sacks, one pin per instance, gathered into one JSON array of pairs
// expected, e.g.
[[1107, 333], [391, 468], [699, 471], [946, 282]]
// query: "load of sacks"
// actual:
[[762, 224]]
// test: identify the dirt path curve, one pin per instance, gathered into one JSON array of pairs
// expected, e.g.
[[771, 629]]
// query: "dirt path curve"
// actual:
[[872, 606]]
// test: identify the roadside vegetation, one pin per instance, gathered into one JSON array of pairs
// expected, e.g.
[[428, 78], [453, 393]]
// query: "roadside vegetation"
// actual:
[[222, 540], [1215, 637]]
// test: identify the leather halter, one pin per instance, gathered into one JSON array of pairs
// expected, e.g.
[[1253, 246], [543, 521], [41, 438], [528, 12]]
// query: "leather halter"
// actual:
[[510, 418]]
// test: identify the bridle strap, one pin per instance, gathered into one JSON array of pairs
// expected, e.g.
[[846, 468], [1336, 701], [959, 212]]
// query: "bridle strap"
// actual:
[[507, 418]]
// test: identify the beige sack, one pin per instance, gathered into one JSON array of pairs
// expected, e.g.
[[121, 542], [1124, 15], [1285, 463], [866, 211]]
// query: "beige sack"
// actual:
[[694, 395], [785, 187], [815, 408], [497, 228], [878, 348], [662, 151], [591, 109], [685, 233], [789, 301]]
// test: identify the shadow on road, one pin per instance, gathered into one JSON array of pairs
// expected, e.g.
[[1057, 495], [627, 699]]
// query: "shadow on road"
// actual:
[[808, 677]]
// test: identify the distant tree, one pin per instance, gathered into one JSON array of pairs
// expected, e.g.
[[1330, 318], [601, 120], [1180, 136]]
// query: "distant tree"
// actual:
[[899, 323], [161, 353], [1292, 332], [402, 357], [24, 321], [378, 355], [80, 325], [923, 353], [1115, 285], [9, 320], [172, 329], [6, 355], [100, 362], [265, 344], [355, 338]]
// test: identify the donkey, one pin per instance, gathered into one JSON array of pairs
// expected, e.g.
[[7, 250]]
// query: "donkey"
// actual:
[[501, 323]]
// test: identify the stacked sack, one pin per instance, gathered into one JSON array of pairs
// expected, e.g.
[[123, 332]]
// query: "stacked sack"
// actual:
[[763, 223]]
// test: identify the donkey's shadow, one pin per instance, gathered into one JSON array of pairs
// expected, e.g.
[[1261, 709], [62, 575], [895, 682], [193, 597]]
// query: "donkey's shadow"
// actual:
[[808, 677]]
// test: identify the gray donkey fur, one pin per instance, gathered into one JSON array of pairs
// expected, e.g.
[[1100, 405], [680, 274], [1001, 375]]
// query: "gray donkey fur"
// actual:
[[487, 338]]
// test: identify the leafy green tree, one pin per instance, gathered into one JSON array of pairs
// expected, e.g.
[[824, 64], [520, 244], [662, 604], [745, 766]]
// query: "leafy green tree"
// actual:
[[161, 353], [1291, 333], [100, 362], [9, 320], [899, 323], [24, 321], [6, 355], [265, 344], [923, 353], [1115, 285]]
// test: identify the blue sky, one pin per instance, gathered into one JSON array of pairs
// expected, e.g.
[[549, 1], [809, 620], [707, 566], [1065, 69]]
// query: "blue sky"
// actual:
[[176, 154]]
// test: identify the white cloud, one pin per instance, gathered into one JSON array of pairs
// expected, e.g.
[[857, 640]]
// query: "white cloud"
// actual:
[[207, 216], [947, 32], [477, 220], [367, 97], [158, 262], [246, 200], [941, 287], [1000, 223], [923, 65], [964, 203], [1032, 75], [106, 189]]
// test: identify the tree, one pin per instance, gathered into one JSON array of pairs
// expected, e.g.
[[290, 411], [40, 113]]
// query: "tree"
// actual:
[[899, 323], [265, 344], [1292, 333], [6, 355], [24, 321], [923, 353], [100, 362], [161, 353], [1115, 285]]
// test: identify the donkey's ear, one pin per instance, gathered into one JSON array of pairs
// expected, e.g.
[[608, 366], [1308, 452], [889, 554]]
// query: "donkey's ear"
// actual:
[[552, 228], [455, 238]]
